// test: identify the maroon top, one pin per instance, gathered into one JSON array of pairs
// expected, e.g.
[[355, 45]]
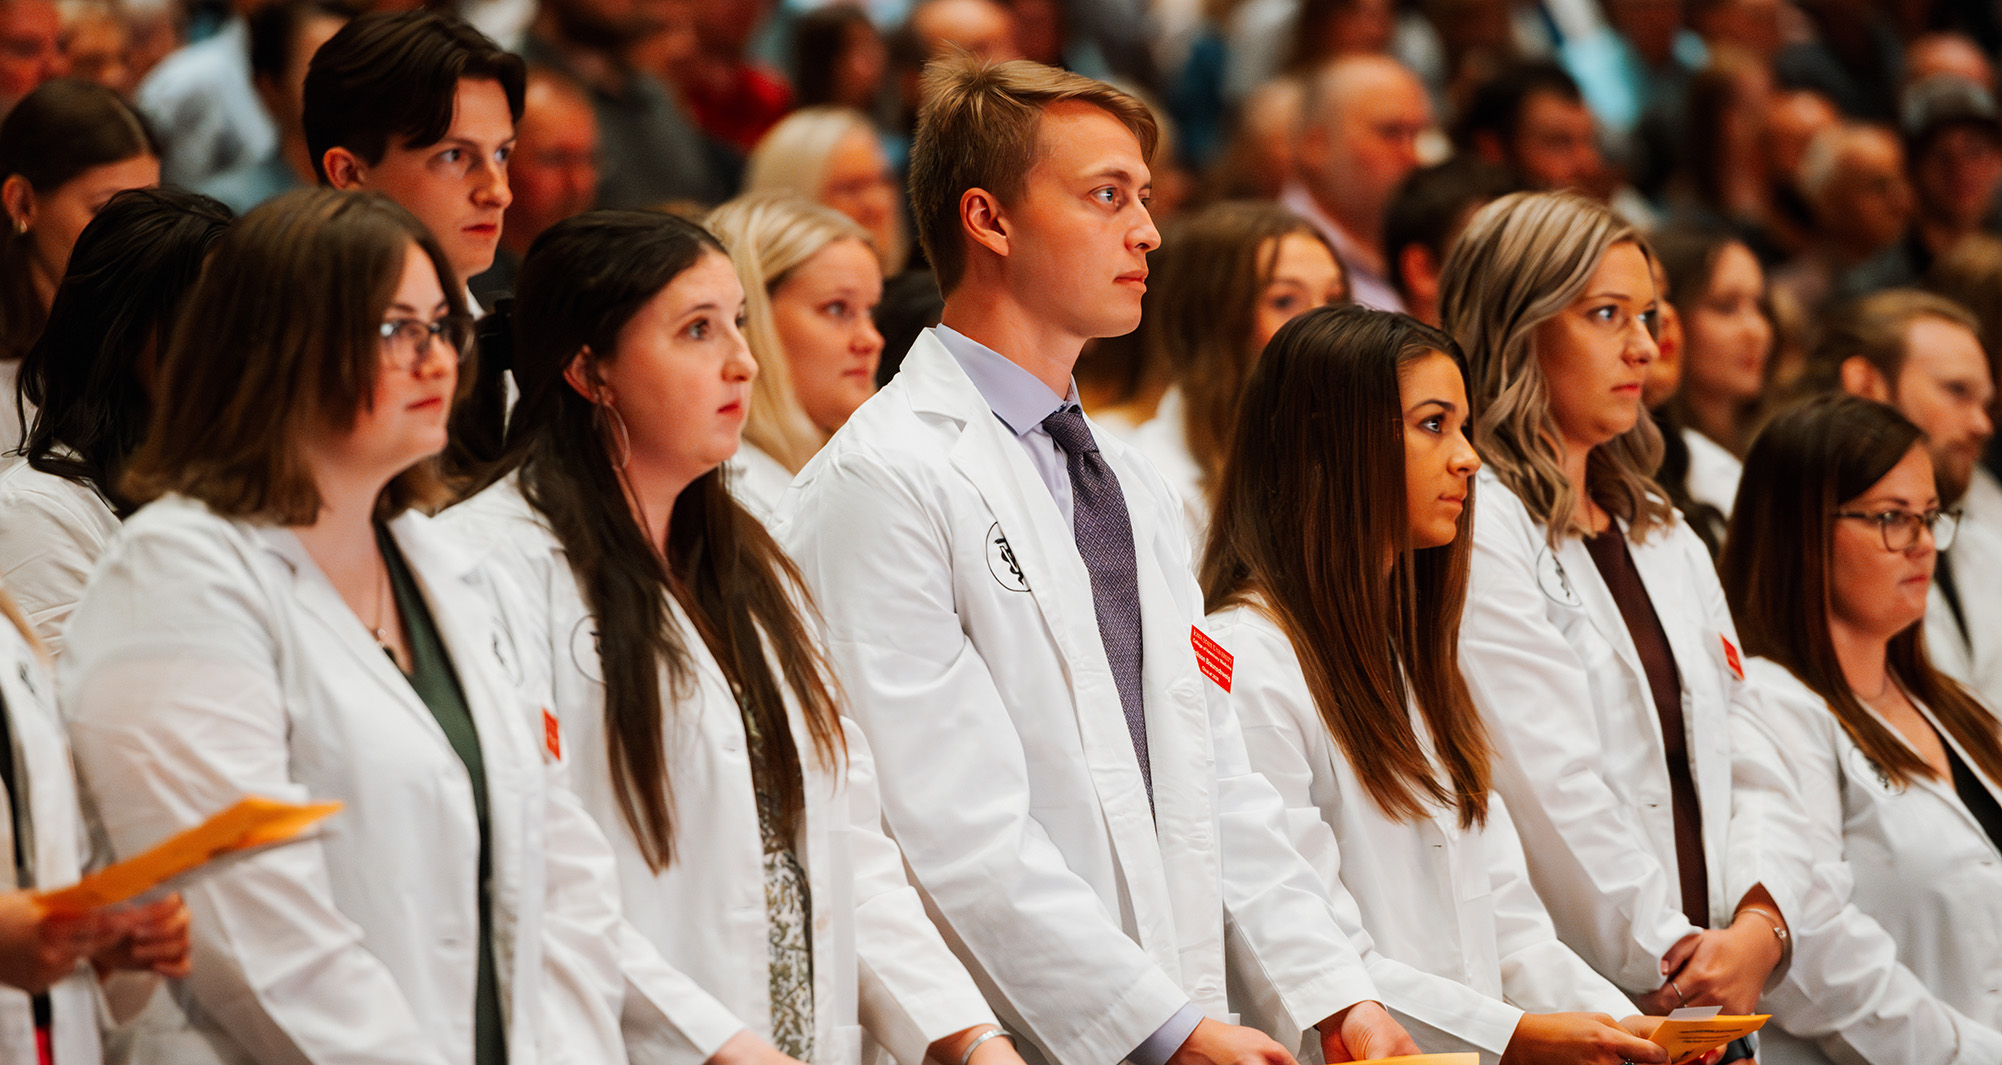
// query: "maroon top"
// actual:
[[1616, 564]]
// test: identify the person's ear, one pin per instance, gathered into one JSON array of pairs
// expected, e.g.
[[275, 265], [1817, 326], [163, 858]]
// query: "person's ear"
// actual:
[[982, 221], [19, 198], [345, 169], [582, 375], [1860, 377]]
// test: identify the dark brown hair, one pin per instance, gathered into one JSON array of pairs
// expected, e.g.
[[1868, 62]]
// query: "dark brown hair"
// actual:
[[1777, 572], [55, 134], [1311, 500], [281, 336], [385, 76], [977, 130], [582, 281]]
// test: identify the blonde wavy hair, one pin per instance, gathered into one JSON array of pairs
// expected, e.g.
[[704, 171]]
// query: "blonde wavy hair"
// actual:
[[792, 157], [768, 236], [1520, 261]]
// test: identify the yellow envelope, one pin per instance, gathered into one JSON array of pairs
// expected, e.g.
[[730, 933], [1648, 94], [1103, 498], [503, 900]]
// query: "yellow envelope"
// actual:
[[1429, 1059], [252, 822], [1686, 1038]]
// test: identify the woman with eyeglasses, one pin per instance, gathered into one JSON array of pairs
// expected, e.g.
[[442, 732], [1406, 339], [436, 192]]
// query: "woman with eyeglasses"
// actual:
[[277, 620], [1833, 541]]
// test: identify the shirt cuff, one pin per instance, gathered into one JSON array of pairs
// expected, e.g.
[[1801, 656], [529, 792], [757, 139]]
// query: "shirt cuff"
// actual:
[[1156, 1049]]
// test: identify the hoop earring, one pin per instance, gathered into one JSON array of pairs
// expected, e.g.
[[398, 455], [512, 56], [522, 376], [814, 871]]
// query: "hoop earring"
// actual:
[[623, 454]]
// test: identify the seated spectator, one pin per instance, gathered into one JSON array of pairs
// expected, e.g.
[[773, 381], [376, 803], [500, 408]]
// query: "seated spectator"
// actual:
[[30, 49], [839, 59], [98, 44], [1955, 54], [552, 173], [1719, 294], [1427, 214], [1852, 56], [1532, 119], [1970, 274], [811, 285], [732, 99], [1853, 179], [832, 156], [983, 29], [284, 34], [65, 150], [1920, 354], [91, 377], [203, 104], [1899, 768], [1953, 141], [1357, 140], [651, 152], [1720, 178], [1256, 162], [1793, 119], [1224, 281]]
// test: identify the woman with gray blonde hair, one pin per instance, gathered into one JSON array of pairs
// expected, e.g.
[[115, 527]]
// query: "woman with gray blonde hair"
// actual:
[[1596, 640], [831, 155], [811, 284]]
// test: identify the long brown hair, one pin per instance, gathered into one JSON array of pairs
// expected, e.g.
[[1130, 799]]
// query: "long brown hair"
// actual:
[[281, 335], [1311, 500], [1521, 260], [1202, 307], [582, 281], [1778, 575]]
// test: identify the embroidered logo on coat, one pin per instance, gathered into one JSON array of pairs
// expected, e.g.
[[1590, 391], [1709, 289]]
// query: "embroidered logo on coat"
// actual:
[[1001, 561]]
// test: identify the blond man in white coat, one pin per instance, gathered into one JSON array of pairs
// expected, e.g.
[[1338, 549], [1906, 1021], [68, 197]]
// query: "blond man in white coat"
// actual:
[[640, 660], [1014, 616], [41, 847]]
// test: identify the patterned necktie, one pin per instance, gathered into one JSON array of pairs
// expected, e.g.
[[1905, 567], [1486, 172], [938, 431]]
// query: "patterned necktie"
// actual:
[[1104, 534]]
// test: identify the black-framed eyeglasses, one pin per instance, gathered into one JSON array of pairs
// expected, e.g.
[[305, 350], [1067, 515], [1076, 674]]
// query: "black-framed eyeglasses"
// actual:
[[406, 342], [1900, 528]]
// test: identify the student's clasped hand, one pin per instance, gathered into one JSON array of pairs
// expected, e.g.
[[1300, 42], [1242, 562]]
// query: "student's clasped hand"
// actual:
[[1364, 1031], [1583, 1039], [1724, 967], [38, 948]]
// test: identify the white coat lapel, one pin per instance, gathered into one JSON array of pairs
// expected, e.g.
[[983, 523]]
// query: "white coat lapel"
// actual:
[[1043, 547], [450, 583], [317, 596]]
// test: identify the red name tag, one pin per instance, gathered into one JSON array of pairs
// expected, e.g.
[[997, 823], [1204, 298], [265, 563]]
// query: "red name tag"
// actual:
[[1211, 658], [1731, 657], [552, 735]]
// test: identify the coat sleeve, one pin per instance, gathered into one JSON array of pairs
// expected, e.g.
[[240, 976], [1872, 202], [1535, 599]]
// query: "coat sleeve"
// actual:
[[46, 555], [1539, 973], [1846, 990], [952, 775], [1283, 738], [178, 714], [912, 991], [1612, 899]]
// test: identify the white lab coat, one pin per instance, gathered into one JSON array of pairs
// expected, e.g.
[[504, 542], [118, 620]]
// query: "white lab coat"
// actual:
[[1714, 472], [1971, 655], [1911, 969], [878, 963], [1451, 929], [961, 619], [1164, 439], [757, 480], [55, 849], [1578, 747], [52, 531], [213, 659]]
